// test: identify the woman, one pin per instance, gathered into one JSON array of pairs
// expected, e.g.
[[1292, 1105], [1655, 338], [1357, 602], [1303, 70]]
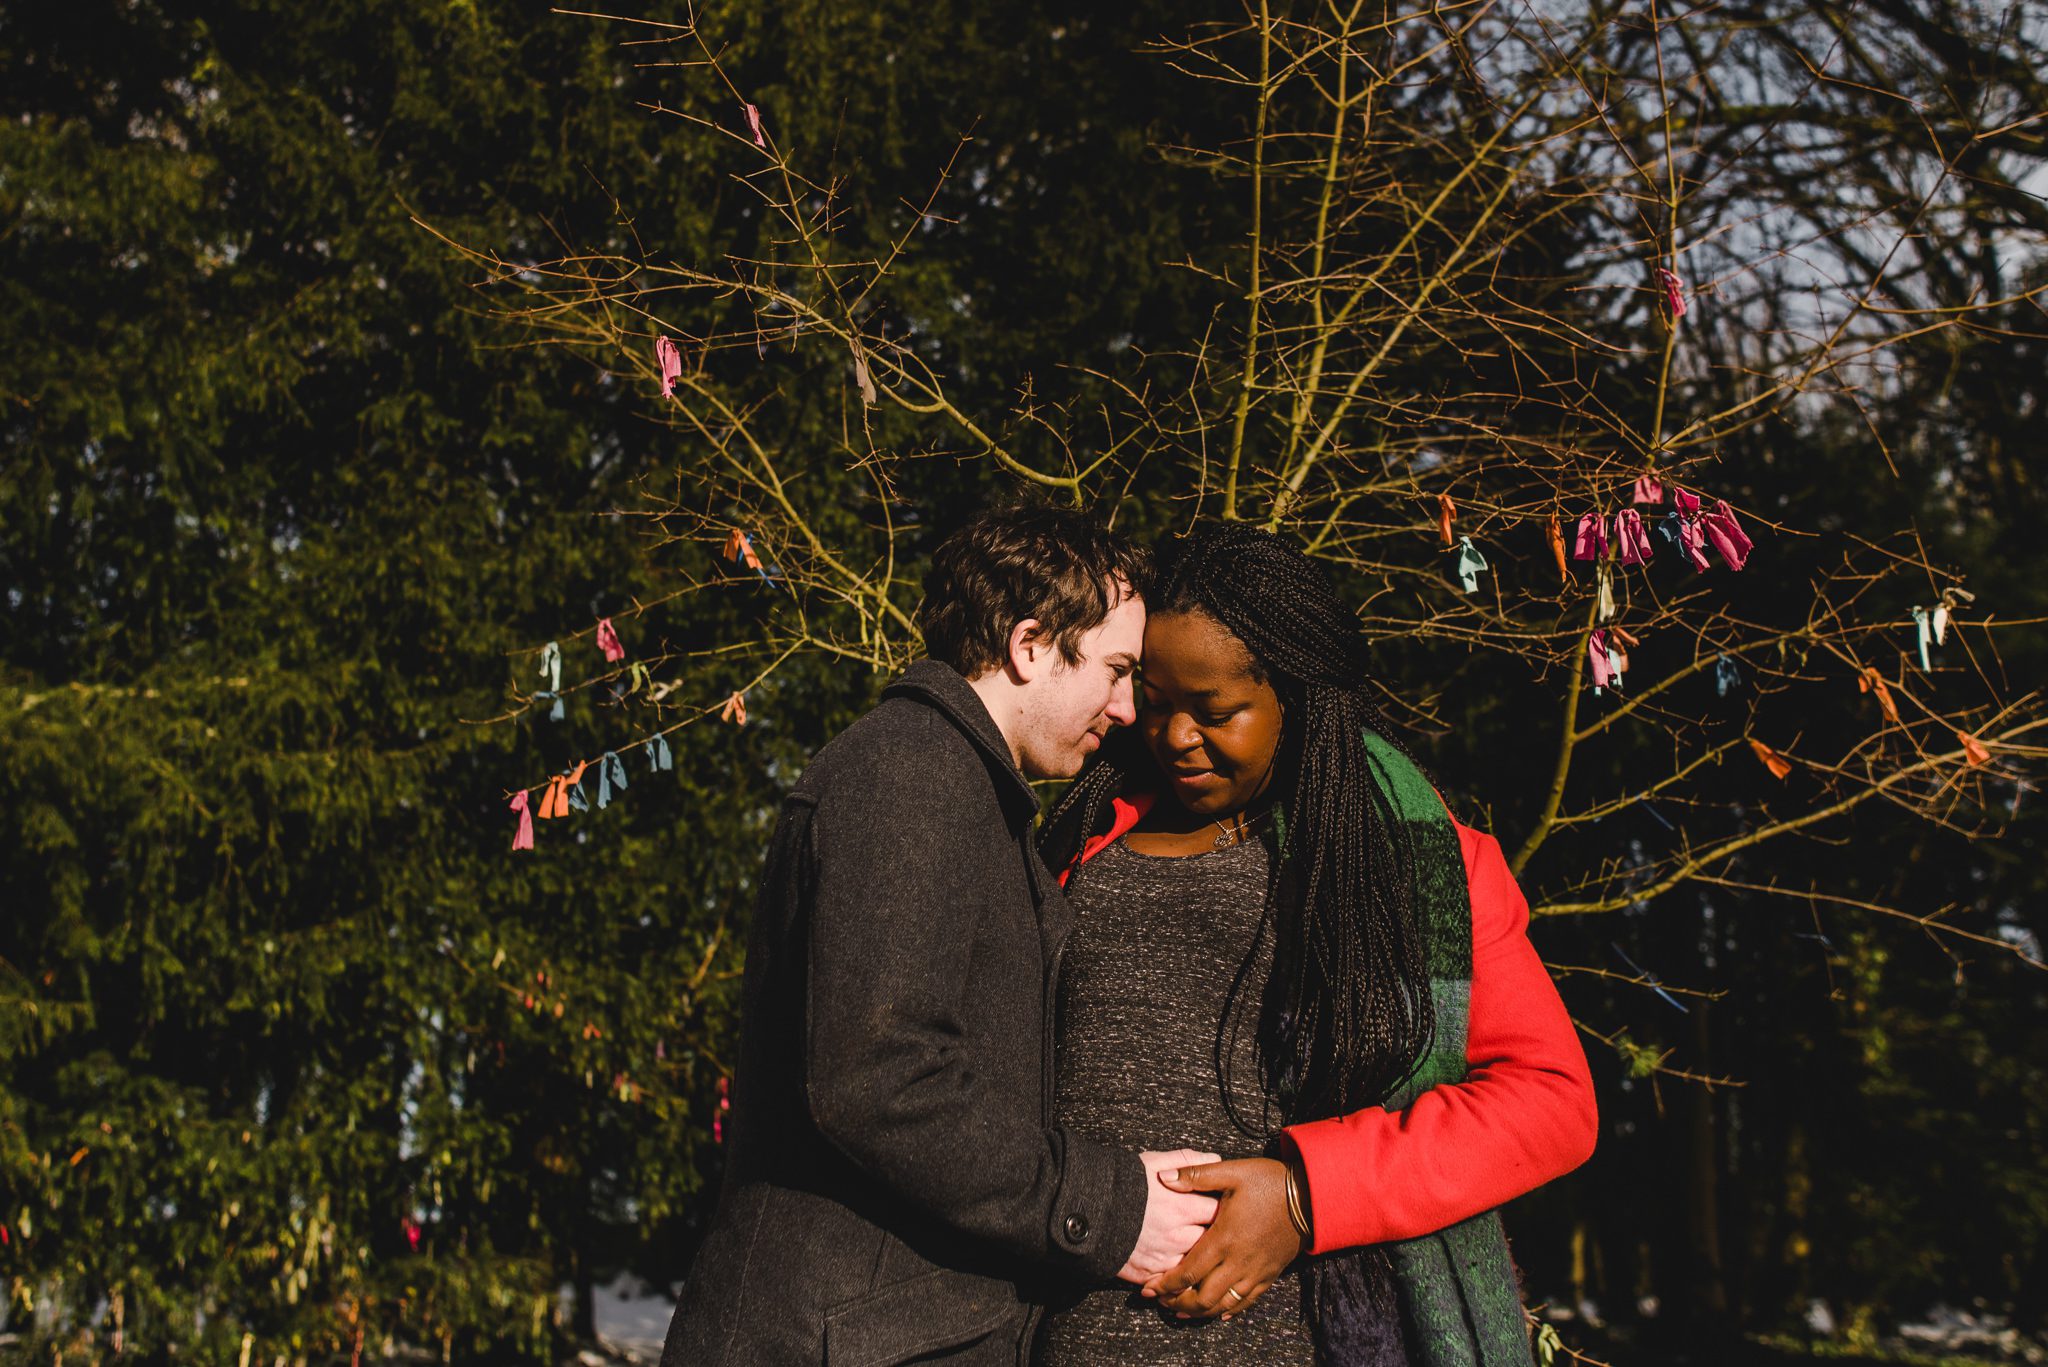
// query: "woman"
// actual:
[[1284, 945]]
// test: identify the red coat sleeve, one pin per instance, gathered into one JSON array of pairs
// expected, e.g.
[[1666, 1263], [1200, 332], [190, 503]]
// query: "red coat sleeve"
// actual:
[[1523, 1116]]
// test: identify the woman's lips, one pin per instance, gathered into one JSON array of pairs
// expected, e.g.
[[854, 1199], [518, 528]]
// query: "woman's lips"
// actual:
[[1192, 778]]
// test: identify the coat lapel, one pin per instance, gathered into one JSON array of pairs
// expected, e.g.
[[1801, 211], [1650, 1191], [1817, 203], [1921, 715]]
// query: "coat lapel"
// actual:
[[940, 686]]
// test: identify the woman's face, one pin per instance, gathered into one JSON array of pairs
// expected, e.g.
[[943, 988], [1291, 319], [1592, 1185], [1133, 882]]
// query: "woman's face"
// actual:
[[1211, 724]]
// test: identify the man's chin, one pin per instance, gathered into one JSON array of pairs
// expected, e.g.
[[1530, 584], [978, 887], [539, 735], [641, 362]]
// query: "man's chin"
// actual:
[[1038, 767]]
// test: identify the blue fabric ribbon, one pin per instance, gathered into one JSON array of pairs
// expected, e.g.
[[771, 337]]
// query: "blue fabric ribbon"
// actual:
[[658, 758], [1650, 979], [611, 769], [1726, 676]]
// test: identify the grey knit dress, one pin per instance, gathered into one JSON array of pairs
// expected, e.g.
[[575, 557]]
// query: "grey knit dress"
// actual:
[[1155, 946]]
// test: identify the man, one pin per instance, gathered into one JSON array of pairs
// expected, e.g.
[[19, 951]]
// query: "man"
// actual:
[[894, 1184]]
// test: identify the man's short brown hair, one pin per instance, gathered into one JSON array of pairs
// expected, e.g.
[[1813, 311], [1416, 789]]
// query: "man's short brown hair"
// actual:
[[1059, 566]]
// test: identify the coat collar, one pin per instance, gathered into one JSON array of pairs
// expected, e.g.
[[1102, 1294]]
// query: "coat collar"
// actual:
[[940, 686]]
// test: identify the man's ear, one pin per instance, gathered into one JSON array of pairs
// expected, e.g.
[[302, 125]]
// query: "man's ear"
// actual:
[[1027, 652]]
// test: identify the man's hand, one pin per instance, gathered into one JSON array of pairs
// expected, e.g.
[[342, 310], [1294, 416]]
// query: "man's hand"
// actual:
[[1173, 1219], [1250, 1242]]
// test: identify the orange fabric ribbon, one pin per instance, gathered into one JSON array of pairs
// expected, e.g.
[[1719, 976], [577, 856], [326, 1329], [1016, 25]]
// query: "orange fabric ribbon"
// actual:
[[735, 710], [1446, 514], [555, 802], [1974, 752], [1772, 760], [864, 381], [739, 548], [1564, 574], [1870, 681]]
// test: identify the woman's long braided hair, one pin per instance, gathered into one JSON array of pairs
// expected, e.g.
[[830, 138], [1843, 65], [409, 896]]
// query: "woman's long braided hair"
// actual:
[[1346, 1012]]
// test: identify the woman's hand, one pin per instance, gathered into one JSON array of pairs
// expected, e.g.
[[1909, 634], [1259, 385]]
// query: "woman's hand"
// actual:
[[1250, 1243]]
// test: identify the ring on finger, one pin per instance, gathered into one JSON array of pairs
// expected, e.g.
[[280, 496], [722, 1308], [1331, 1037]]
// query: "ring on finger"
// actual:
[[1235, 1295]]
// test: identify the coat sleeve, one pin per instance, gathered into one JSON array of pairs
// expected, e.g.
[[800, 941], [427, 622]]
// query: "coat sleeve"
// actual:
[[1523, 1116], [890, 1075]]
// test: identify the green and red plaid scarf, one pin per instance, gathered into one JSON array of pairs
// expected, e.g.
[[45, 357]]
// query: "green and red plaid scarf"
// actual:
[[1460, 1299]]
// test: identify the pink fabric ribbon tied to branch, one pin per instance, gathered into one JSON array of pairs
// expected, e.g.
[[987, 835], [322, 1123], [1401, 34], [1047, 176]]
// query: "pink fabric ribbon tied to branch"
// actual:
[[754, 125], [522, 839], [1648, 489], [1597, 657], [670, 360], [608, 641], [1633, 540], [1721, 529], [1693, 542], [1674, 292], [1589, 542]]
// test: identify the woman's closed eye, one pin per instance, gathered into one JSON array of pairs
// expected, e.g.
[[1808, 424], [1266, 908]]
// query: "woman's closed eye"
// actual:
[[1154, 704]]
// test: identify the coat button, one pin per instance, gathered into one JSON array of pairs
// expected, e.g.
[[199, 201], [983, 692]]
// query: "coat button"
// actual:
[[1077, 1228]]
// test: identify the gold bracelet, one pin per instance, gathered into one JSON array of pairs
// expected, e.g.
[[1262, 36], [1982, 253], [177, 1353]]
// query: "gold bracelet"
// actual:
[[1296, 1216]]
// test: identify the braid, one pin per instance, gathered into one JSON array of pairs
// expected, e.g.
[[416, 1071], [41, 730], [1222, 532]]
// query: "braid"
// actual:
[[1346, 1013], [1083, 809]]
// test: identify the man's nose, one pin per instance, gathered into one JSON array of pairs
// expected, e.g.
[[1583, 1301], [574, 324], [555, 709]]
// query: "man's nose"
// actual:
[[1123, 705]]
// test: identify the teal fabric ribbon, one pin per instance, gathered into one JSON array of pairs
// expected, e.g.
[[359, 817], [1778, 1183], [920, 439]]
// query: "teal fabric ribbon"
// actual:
[[551, 670], [610, 769], [658, 757], [1726, 676], [1470, 563]]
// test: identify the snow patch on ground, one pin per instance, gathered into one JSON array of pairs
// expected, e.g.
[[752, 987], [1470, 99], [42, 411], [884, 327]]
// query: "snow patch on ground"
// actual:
[[632, 1319], [1949, 1330]]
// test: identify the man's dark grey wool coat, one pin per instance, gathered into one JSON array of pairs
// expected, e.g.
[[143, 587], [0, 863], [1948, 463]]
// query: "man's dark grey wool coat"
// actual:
[[895, 1188]]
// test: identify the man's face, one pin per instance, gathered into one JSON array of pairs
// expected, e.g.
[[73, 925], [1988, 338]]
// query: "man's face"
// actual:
[[1070, 707]]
